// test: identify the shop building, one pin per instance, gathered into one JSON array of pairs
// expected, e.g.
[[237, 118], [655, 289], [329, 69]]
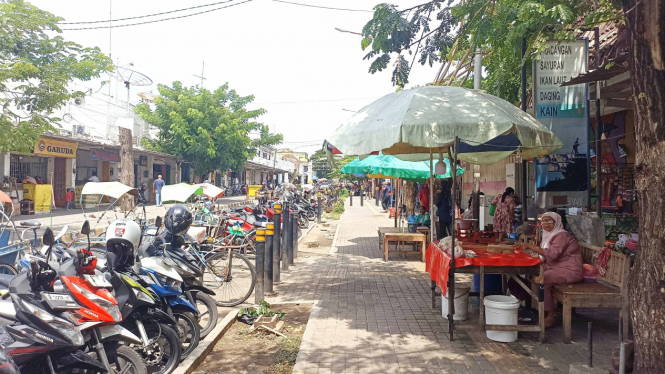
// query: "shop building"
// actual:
[[267, 166]]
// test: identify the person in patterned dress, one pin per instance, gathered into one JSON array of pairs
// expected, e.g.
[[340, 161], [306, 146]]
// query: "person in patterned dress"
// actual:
[[504, 213]]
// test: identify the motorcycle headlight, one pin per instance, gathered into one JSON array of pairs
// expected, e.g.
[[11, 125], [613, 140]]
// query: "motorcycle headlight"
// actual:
[[39, 312], [168, 261], [176, 285], [108, 305], [143, 296], [60, 324]]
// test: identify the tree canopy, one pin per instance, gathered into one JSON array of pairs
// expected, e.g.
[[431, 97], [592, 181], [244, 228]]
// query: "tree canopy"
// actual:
[[443, 31], [209, 129], [35, 71]]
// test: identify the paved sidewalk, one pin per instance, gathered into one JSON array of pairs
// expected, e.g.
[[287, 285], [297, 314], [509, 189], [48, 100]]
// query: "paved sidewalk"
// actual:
[[376, 317]]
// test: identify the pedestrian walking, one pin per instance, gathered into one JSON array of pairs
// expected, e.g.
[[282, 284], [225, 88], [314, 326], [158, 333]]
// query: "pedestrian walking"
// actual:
[[385, 197], [69, 198], [158, 184]]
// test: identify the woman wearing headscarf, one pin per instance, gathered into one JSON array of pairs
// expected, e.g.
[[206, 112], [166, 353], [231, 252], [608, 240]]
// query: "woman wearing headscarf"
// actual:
[[562, 257], [504, 215]]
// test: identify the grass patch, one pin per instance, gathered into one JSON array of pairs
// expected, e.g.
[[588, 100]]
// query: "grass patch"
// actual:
[[285, 358]]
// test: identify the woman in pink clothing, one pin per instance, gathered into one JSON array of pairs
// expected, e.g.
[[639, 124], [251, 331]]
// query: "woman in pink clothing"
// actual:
[[504, 214], [562, 257]]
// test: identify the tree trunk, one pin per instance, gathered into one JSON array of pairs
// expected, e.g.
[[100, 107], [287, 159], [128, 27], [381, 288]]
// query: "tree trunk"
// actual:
[[647, 290], [127, 166], [410, 197]]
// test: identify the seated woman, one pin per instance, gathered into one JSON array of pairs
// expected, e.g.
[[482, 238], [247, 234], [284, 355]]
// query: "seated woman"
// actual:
[[423, 217], [562, 257]]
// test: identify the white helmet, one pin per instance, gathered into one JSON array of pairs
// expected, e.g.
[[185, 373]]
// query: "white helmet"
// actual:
[[125, 233]]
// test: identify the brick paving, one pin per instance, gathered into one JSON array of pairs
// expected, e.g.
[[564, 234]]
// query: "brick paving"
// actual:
[[375, 317]]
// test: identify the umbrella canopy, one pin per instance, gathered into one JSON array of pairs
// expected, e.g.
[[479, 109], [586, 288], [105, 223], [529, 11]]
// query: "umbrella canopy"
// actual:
[[5, 198], [180, 192], [211, 190], [111, 189], [386, 166], [425, 119]]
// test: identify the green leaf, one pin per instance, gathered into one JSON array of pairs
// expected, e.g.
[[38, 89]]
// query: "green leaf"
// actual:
[[365, 43]]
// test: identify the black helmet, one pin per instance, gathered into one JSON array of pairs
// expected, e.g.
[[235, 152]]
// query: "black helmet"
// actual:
[[178, 219]]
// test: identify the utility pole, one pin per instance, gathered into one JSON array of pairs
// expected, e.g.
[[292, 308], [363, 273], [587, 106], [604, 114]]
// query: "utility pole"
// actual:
[[202, 76], [477, 85]]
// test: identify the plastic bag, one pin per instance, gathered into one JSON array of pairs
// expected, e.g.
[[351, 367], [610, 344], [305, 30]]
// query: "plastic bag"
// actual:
[[412, 219], [246, 318], [446, 244]]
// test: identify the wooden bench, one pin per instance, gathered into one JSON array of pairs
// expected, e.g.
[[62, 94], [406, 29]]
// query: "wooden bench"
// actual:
[[609, 292]]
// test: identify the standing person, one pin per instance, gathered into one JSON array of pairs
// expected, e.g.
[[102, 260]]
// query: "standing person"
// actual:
[[563, 261], [444, 211], [504, 213], [423, 196], [94, 177], [158, 184], [385, 197], [69, 198]]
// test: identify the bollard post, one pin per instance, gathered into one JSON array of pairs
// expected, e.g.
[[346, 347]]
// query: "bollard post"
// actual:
[[260, 259], [362, 196], [351, 198], [276, 243], [622, 358], [286, 232], [318, 208], [376, 195], [590, 343], [269, 269], [293, 237]]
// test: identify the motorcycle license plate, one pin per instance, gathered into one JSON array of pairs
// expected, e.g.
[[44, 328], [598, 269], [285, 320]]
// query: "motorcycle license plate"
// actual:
[[98, 281], [59, 301]]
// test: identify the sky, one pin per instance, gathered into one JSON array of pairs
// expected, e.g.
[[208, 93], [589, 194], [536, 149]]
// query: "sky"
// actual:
[[309, 77]]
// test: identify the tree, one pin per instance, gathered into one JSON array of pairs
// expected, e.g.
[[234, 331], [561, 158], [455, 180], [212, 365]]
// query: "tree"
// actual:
[[647, 283], [35, 70], [209, 129], [410, 189], [441, 31]]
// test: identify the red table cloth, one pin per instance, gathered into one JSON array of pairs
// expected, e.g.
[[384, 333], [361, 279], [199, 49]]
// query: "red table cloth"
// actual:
[[438, 262]]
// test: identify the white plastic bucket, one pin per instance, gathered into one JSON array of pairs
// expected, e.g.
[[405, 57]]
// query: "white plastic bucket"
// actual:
[[461, 303], [501, 310]]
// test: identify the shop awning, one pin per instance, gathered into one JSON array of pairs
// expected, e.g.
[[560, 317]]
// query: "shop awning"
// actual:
[[600, 74]]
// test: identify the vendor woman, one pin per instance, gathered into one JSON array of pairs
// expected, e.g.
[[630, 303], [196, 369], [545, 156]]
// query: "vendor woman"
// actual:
[[562, 257]]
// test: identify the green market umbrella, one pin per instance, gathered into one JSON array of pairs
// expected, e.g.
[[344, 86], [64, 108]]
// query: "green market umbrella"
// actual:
[[180, 192], [392, 167]]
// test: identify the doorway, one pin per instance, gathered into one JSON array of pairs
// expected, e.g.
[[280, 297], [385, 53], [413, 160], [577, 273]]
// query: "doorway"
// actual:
[[60, 182]]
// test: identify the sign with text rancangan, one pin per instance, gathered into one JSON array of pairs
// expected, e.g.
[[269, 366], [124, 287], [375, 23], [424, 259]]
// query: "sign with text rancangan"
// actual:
[[563, 110]]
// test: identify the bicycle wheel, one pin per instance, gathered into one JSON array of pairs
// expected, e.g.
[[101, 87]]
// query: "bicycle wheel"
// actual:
[[7, 269], [233, 285]]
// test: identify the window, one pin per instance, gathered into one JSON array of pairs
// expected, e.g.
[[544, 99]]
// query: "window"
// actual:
[[304, 168], [28, 166]]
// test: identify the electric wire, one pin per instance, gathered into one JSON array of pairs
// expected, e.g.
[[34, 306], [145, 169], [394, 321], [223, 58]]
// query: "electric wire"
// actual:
[[155, 21], [145, 16], [323, 7]]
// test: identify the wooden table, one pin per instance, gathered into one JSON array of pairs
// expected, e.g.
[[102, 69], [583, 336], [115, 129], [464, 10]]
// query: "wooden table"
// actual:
[[402, 238], [512, 271], [425, 231]]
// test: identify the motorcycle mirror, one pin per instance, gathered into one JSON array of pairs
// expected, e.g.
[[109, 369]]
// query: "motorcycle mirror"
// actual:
[[48, 238], [158, 221], [85, 230]]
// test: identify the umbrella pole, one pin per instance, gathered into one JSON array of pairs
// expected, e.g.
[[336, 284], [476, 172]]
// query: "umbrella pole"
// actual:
[[396, 195], [431, 195], [451, 273]]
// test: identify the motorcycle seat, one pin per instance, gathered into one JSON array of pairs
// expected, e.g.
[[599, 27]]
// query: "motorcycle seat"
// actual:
[[30, 223]]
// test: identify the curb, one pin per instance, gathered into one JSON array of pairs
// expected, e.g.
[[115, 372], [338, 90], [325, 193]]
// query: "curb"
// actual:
[[206, 345], [307, 339], [333, 247]]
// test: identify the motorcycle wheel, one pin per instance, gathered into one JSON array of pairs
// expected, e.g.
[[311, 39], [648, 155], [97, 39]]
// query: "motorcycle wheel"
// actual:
[[188, 332], [207, 317], [303, 221], [311, 214], [165, 348], [126, 360]]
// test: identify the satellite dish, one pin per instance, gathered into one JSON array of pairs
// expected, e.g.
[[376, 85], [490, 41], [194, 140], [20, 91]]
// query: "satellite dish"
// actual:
[[131, 78], [79, 101]]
